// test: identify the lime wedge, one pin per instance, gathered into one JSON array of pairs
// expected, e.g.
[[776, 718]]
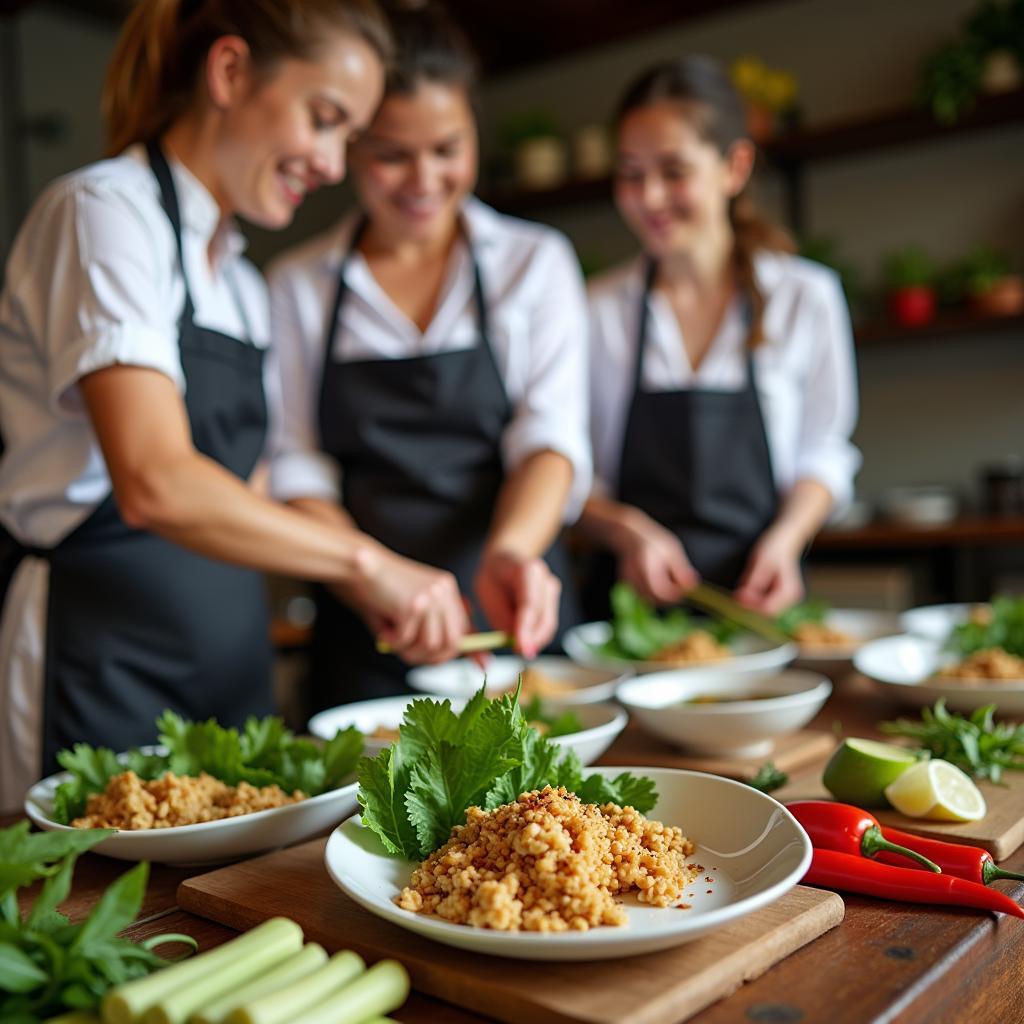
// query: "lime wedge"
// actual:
[[937, 790], [859, 771]]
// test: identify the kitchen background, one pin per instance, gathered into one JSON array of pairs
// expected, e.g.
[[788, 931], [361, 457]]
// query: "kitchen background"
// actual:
[[879, 187]]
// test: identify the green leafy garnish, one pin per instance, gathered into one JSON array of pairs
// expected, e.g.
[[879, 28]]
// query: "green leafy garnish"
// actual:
[[638, 631], [564, 724], [978, 744], [813, 610], [1003, 628], [768, 778], [413, 793], [264, 753], [47, 964]]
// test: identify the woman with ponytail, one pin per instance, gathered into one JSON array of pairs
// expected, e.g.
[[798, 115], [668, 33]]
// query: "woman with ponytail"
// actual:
[[132, 400], [434, 371], [723, 382]]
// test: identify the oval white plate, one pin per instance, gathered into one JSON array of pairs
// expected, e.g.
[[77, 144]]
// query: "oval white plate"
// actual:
[[745, 728], [905, 665], [864, 624], [751, 654], [209, 842], [462, 678], [749, 844], [601, 724], [935, 621]]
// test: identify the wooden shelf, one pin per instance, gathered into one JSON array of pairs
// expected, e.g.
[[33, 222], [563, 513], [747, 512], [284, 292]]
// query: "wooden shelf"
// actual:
[[945, 324], [967, 531]]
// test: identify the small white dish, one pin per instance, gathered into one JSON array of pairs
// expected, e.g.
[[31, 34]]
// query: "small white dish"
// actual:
[[209, 842], [862, 624], [733, 728], [935, 621], [905, 665], [601, 723], [749, 844], [462, 678], [750, 654]]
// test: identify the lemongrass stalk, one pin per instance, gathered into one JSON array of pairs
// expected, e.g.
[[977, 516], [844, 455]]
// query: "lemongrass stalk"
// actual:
[[127, 1003], [282, 1006], [305, 962], [383, 988]]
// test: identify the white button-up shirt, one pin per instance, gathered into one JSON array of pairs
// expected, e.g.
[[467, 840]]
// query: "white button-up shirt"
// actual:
[[538, 326], [806, 377], [92, 281]]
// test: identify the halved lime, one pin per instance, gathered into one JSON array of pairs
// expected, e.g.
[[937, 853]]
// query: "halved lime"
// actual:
[[859, 771], [937, 790]]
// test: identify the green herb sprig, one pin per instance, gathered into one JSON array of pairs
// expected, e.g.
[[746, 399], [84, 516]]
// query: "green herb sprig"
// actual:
[[981, 746], [768, 778], [564, 724], [1003, 628]]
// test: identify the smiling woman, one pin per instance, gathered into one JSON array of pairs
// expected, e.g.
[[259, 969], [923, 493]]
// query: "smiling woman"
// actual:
[[132, 400]]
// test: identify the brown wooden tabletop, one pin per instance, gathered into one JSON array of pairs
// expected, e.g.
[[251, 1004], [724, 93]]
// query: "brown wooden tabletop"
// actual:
[[886, 962]]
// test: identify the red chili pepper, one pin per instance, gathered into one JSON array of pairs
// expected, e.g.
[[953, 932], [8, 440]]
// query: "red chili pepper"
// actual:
[[848, 829], [970, 862], [857, 874]]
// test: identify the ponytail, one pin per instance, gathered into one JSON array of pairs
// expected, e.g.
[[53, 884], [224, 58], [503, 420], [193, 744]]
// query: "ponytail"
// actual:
[[710, 102], [152, 76]]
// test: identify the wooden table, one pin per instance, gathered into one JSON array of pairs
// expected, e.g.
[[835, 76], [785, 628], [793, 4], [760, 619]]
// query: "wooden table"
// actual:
[[886, 962]]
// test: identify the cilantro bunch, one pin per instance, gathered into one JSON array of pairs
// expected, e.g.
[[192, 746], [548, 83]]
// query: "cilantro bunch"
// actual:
[[1004, 628], [417, 790], [264, 753], [47, 964], [813, 610], [638, 631]]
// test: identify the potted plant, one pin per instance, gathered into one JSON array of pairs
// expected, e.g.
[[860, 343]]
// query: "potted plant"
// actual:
[[991, 288], [909, 286], [539, 153], [770, 95]]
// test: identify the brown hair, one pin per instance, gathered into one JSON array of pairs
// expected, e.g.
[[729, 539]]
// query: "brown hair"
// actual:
[[152, 75], [713, 106]]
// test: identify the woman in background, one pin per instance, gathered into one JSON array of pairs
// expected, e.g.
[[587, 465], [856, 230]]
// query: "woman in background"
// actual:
[[132, 404], [443, 407], [723, 381]]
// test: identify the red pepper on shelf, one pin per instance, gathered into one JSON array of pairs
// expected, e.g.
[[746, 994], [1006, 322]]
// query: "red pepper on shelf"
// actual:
[[969, 862], [832, 870], [848, 829]]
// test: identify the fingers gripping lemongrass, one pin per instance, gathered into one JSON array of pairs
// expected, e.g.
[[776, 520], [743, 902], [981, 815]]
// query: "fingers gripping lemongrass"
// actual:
[[383, 988], [304, 963], [286, 1004], [181, 989]]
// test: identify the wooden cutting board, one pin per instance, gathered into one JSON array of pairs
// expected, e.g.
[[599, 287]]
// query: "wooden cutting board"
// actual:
[[791, 753], [1000, 832], [658, 988]]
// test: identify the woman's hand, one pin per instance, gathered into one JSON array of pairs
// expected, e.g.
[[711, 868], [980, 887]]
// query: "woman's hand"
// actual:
[[652, 559], [771, 581], [414, 608], [519, 596]]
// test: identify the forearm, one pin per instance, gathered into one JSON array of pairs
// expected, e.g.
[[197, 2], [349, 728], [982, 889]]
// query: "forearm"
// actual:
[[802, 514], [530, 507], [330, 513], [606, 522]]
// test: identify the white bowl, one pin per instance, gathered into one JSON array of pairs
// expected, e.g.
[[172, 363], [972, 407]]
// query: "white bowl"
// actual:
[[863, 624], [905, 666], [462, 678], [935, 621], [746, 728], [601, 723], [749, 843], [209, 842], [751, 654]]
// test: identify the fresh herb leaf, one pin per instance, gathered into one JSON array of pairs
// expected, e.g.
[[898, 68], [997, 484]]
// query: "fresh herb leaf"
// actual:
[[811, 611], [978, 744], [768, 778], [26, 856], [564, 724], [1002, 627]]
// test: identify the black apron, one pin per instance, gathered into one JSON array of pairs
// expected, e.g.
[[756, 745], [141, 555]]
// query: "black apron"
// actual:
[[135, 623], [418, 442], [697, 462]]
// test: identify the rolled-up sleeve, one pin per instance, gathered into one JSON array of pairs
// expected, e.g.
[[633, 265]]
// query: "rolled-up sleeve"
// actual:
[[552, 413], [298, 468], [825, 452], [107, 300]]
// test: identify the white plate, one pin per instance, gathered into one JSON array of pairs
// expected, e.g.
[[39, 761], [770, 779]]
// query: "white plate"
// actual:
[[905, 665], [751, 654], [935, 621], [462, 678], [745, 728], [864, 624], [209, 842], [749, 843], [601, 724]]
